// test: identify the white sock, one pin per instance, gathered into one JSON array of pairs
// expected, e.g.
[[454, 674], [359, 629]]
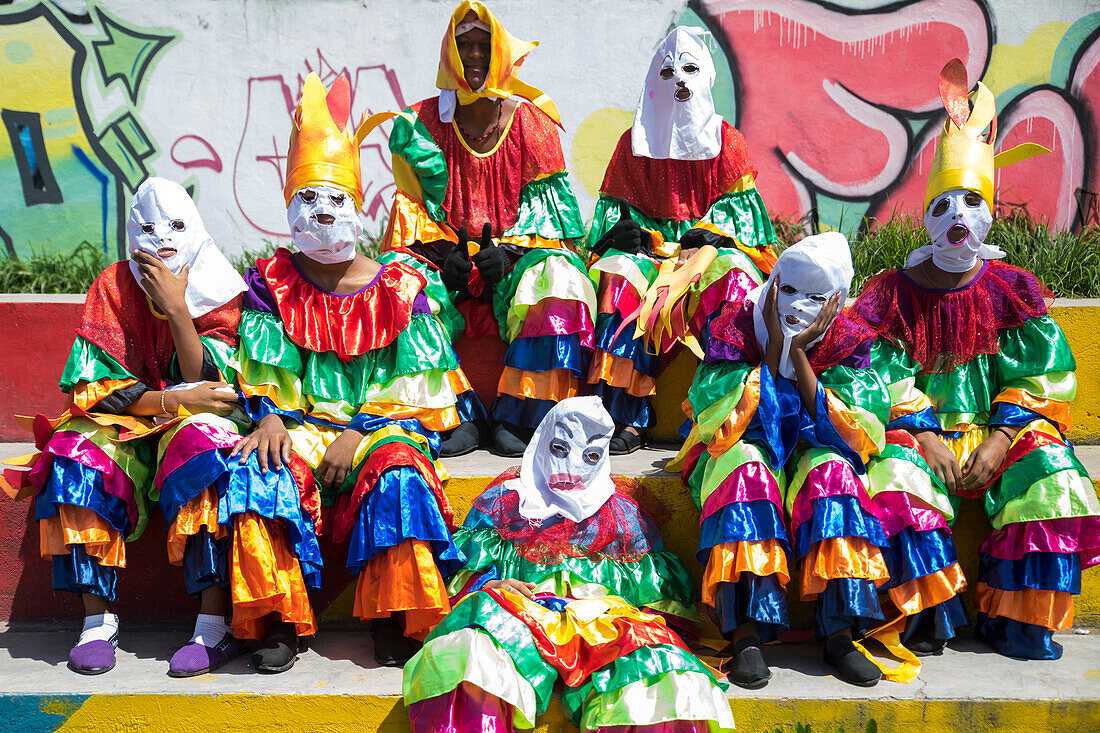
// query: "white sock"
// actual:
[[101, 627], [210, 630]]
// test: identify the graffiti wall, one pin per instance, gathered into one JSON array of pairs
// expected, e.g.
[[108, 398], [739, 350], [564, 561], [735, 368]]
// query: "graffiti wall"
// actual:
[[838, 102]]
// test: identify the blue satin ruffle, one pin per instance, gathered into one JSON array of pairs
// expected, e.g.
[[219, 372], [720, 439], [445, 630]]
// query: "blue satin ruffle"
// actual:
[[775, 426], [368, 424], [938, 622], [752, 598], [70, 482], [188, 481], [838, 516], [924, 420], [624, 408], [401, 506], [741, 521], [1006, 413], [79, 573], [823, 434], [847, 603], [274, 495], [1014, 638], [470, 407], [526, 413], [543, 353], [913, 554], [1039, 570], [626, 346], [205, 561], [258, 408]]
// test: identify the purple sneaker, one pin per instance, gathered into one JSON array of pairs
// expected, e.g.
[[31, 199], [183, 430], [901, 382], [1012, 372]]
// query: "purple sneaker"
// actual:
[[194, 659], [93, 657]]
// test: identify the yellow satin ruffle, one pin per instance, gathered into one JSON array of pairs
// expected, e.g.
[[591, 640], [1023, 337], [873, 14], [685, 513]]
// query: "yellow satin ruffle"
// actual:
[[841, 557], [619, 371], [438, 419], [553, 384], [910, 407], [404, 578], [849, 428], [265, 578], [202, 511], [918, 594], [78, 525], [1048, 608], [87, 394], [729, 559], [734, 426], [972, 436], [1056, 411]]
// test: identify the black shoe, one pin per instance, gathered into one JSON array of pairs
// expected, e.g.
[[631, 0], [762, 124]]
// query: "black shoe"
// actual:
[[624, 442], [750, 671], [849, 662], [459, 441], [926, 646], [278, 652], [510, 440], [391, 647]]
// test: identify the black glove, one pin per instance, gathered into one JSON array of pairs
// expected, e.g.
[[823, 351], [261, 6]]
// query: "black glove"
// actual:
[[696, 238], [626, 235], [491, 261], [456, 265]]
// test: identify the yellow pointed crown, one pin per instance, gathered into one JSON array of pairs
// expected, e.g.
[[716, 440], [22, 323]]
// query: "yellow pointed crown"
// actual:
[[964, 154], [323, 149]]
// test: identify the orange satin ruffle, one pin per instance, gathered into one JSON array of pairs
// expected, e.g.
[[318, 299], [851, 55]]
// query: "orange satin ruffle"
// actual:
[[266, 578], [404, 578], [841, 557], [618, 371], [553, 384], [438, 419], [909, 407], [918, 594], [88, 394], [79, 525], [1056, 411], [734, 427], [729, 559], [850, 430], [1048, 608], [202, 511]]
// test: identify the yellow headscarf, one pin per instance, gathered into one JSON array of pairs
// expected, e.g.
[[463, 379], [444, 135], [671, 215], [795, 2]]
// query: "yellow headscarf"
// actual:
[[507, 55]]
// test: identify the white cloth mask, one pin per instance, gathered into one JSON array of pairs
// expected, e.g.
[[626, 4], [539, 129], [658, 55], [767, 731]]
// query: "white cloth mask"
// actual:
[[324, 224], [675, 116], [565, 468], [809, 273], [165, 223], [957, 222]]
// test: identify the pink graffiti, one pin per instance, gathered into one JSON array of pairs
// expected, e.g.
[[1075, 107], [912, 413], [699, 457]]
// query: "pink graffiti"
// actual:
[[213, 161]]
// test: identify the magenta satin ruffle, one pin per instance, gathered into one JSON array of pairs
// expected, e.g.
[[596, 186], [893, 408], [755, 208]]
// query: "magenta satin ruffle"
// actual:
[[834, 478], [730, 288], [621, 294], [465, 709], [188, 442], [1076, 534], [73, 445], [747, 482], [898, 510], [559, 318]]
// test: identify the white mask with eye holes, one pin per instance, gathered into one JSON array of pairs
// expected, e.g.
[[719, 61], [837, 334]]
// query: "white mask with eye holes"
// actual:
[[675, 116], [957, 222], [565, 468], [165, 223], [809, 273], [324, 224]]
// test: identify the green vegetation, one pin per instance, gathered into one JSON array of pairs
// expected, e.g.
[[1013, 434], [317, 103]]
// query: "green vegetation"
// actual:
[[53, 273]]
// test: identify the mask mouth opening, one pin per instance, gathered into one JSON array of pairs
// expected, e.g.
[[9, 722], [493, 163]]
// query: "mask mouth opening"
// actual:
[[957, 234], [324, 220], [682, 94], [792, 320], [166, 252], [565, 484]]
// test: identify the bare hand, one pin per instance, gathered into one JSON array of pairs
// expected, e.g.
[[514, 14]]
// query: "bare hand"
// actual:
[[336, 465], [940, 459], [206, 397], [985, 460], [771, 315], [166, 290], [271, 442], [819, 326], [527, 590]]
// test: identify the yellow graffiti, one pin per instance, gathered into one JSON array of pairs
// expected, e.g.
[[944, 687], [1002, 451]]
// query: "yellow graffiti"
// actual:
[[1028, 64], [595, 142], [63, 706]]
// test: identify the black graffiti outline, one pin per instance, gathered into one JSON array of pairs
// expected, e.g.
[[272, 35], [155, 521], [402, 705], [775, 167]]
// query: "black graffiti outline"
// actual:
[[106, 23]]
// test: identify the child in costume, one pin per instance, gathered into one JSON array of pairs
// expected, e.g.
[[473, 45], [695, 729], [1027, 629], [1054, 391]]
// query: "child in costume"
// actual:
[[484, 158], [786, 414], [148, 377], [679, 179], [566, 577], [341, 366], [982, 380]]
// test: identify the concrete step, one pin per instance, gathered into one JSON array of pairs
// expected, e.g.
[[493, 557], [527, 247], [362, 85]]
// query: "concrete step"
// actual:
[[336, 686]]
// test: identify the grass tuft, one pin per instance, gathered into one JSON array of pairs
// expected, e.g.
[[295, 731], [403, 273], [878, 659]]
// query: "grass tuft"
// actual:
[[53, 273]]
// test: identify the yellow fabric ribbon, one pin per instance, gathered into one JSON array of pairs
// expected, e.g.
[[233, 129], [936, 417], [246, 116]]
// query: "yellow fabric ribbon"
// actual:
[[888, 635]]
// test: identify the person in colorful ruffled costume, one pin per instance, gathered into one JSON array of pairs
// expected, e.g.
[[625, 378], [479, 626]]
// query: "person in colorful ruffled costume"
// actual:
[[150, 401], [340, 365], [679, 179], [566, 577], [988, 380], [484, 159], [786, 413]]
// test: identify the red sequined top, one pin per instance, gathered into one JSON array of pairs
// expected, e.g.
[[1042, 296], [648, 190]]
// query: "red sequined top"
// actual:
[[676, 189]]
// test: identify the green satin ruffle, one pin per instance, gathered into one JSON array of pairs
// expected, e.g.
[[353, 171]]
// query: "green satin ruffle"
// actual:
[[548, 208], [1046, 483], [89, 363], [656, 576], [901, 468], [606, 216], [440, 299], [506, 290], [863, 391], [224, 357], [264, 341], [715, 380], [415, 144]]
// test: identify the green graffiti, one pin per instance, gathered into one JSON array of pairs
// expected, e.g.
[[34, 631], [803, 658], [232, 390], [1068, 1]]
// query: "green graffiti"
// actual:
[[127, 53]]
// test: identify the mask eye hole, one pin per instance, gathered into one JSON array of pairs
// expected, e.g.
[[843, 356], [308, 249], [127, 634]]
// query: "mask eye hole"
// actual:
[[691, 69], [337, 198], [667, 72], [592, 457], [178, 225], [972, 199], [147, 228], [940, 208], [558, 449], [308, 195], [787, 289], [818, 298]]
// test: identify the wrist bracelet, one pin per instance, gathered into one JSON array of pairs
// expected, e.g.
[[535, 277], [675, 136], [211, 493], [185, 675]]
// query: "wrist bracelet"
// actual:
[[163, 409], [1004, 431]]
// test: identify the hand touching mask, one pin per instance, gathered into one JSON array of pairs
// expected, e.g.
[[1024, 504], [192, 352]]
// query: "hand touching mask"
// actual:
[[324, 224]]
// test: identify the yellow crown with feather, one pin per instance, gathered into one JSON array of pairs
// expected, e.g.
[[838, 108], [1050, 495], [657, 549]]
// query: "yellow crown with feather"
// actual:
[[964, 154]]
